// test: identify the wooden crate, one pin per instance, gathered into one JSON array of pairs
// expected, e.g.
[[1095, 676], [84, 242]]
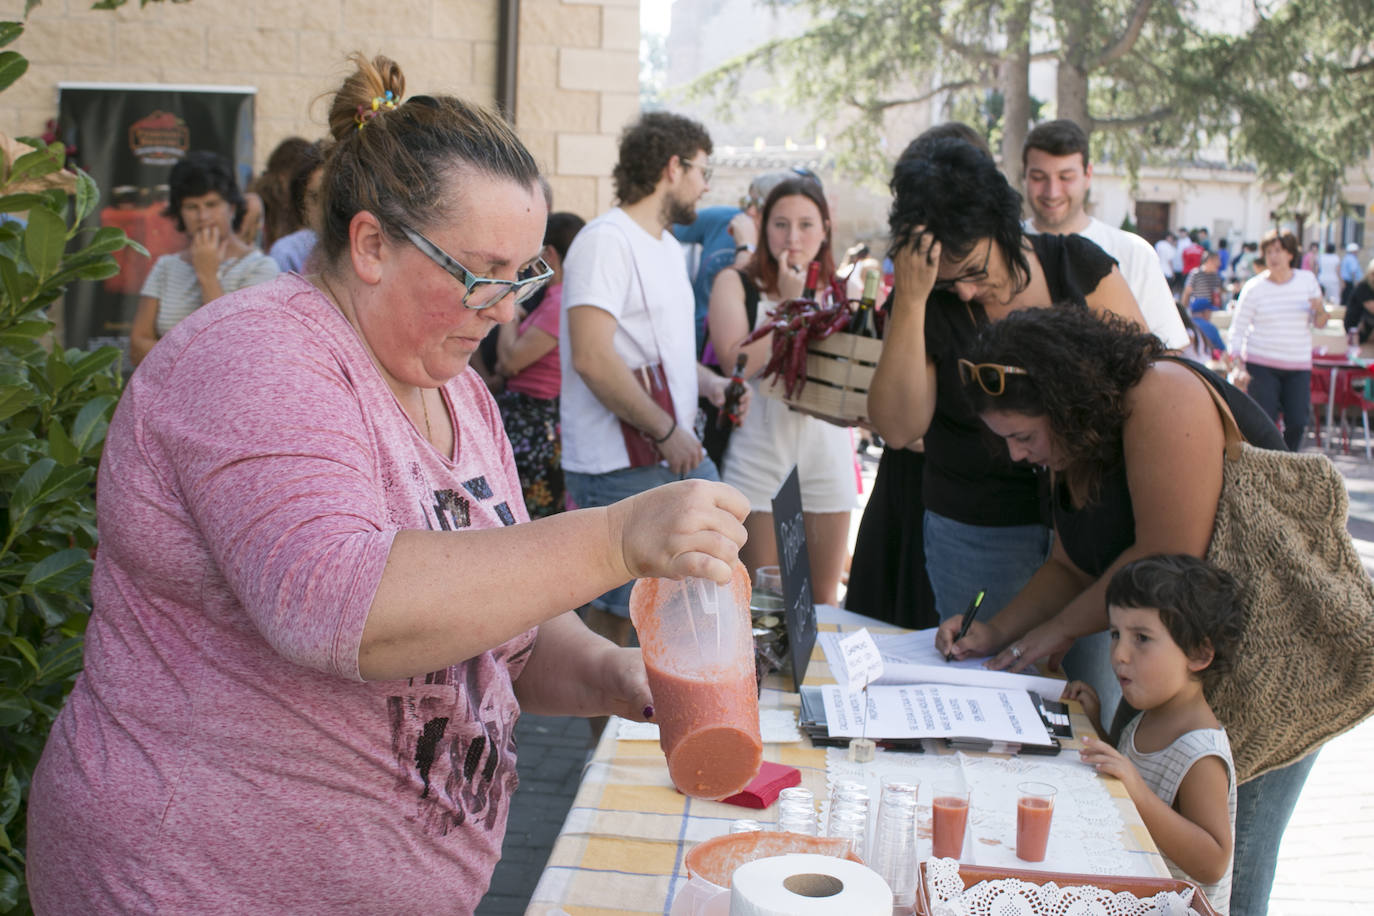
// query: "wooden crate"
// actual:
[[839, 371]]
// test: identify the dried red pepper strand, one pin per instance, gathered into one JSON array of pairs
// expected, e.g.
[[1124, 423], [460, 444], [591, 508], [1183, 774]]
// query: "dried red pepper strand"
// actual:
[[796, 379]]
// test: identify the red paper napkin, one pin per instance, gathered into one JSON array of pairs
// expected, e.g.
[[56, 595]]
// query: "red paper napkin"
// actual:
[[763, 790]]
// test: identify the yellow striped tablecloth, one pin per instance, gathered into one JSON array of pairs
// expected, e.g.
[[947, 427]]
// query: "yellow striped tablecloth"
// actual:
[[621, 848]]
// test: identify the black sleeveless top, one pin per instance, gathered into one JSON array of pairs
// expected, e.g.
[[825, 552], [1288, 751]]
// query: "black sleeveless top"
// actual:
[[1095, 535], [969, 476]]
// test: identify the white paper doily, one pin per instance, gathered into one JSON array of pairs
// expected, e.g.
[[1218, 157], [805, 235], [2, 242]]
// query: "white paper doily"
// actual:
[[1014, 897]]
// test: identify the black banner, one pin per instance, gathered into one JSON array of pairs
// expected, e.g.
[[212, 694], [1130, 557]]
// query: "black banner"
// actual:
[[128, 138]]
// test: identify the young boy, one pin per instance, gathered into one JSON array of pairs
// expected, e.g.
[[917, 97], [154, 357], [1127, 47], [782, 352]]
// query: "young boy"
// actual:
[[1175, 622]]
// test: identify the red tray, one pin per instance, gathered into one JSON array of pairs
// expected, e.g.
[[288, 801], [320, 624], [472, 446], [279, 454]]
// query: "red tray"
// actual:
[[1141, 887]]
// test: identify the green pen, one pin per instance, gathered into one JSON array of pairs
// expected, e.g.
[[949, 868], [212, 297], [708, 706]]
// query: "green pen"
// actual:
[[967, 622]]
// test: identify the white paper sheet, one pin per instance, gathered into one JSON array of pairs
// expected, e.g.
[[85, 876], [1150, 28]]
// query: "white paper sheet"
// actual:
[[934, 711], [911, 658]]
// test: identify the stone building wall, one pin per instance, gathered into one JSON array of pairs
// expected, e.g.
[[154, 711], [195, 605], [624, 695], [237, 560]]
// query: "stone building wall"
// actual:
[[577, 65]]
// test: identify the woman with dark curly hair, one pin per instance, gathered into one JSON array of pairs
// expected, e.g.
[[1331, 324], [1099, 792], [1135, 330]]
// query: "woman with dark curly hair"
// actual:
[[206, 204], [962, 261], [1134, 444]]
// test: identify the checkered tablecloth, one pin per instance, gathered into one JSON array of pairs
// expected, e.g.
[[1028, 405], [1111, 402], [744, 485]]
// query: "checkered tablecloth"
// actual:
[[621, 848]]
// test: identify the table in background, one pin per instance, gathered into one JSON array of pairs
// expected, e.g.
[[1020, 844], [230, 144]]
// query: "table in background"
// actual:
[[621, 848], [1336, 365]]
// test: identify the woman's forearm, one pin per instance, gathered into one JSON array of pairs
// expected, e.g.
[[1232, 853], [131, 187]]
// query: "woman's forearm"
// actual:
[[574, 672], [418, 623], [446, 596], [901, 398], [1049, 593]]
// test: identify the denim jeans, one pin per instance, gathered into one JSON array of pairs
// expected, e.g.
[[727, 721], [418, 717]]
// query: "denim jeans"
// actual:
[[589, 490], [1090, 660], [961, 559], [1263, 807], [1286, 391]]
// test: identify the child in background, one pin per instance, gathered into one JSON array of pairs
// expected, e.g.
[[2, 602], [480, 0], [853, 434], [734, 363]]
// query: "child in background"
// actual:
[[1175, 621]]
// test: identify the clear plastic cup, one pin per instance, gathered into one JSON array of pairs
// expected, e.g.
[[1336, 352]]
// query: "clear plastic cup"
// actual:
[[1034, 809], [850, 825], [768, 579], [847, 795], [949, 820], [699, 654], [894, 849], [797, 811], [797, 817], [897, 789]]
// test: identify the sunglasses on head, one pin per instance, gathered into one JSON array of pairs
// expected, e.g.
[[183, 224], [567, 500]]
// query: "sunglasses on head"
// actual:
[[753, 200], [991, 377]]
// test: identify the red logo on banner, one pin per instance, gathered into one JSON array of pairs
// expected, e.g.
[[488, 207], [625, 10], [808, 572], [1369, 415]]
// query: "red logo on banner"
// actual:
[[160, 138]]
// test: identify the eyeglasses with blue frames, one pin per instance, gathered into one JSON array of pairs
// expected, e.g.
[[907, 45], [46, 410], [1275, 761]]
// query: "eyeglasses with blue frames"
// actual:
[[483, 292]]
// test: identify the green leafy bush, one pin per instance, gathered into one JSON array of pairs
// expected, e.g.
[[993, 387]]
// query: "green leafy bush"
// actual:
[[55, 407]]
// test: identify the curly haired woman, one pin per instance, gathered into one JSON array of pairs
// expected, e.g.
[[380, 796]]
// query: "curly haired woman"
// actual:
[[1134, 444]]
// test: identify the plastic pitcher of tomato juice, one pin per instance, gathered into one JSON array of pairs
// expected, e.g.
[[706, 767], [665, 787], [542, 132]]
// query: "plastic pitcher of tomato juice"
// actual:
[[699, 653]]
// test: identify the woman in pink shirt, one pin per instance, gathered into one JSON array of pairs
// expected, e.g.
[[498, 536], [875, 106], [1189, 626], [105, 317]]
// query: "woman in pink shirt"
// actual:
[[316, 615], [527, 355]]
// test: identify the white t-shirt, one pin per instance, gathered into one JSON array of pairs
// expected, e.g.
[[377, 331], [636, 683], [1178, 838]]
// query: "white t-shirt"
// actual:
[[173, 283], [1328, 267], [1273, 323], [1140, 267], [1166, 250], [615, 265]]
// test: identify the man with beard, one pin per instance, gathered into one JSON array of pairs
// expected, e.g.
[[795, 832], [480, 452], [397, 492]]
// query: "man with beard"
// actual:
[[628, 343], [1058, 178]]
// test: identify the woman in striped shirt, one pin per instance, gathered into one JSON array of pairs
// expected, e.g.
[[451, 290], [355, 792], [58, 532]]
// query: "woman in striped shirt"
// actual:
[[206, 204], [1272, 334]]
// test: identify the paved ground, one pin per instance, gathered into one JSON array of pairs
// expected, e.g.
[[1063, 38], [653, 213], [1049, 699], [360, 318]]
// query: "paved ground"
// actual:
[[1324, 865]]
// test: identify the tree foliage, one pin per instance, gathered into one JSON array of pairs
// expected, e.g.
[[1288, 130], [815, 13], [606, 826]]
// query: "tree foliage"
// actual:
[[1154, 81], [55, 407]]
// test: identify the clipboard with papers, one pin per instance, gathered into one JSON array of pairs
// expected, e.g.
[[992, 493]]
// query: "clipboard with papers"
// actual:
[[920, 697], [904, 716]]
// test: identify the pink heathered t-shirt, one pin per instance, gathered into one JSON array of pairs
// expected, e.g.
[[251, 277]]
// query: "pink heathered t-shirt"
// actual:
[[220, 752], [542, 378]]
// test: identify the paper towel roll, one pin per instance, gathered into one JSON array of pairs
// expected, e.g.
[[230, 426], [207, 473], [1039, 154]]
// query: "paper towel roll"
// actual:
[[808, 885]]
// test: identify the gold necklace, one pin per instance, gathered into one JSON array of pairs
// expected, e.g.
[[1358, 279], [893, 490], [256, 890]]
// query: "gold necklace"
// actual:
[[429, 434]]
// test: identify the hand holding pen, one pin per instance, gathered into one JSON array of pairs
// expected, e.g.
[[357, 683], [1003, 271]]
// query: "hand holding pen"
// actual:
[[969, 613]]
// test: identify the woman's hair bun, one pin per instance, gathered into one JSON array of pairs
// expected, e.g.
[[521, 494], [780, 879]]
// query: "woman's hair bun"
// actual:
[[371, 80]]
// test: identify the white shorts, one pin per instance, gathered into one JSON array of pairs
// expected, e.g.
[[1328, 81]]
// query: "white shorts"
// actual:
[[772, 439]]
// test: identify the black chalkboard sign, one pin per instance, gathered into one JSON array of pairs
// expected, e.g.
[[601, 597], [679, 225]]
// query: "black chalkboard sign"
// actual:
[[796, 574]]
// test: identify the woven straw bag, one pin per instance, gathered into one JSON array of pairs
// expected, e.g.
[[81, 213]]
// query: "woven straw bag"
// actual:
[[1304, 670]]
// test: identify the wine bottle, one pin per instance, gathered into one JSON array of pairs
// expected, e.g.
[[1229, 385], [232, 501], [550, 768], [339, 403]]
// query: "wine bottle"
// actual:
[[813, 279], [734, 393], [862, 322]]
